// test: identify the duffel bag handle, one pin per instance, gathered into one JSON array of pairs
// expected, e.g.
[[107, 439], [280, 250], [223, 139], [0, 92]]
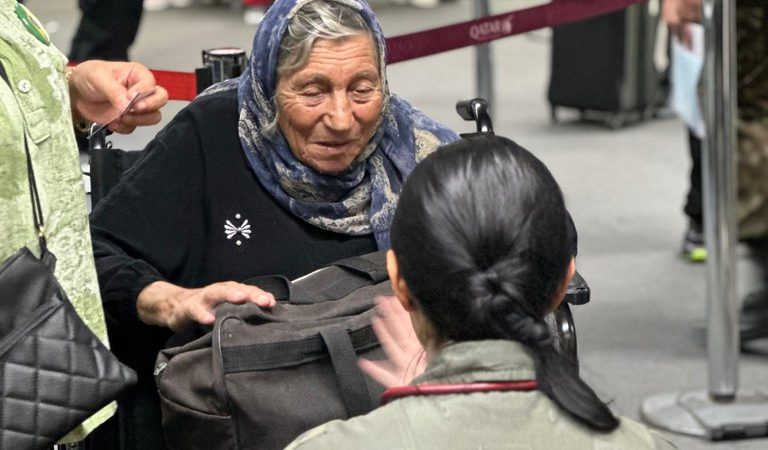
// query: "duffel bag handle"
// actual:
[[354, 390], [372, 265], [278, 285], [365, 270]]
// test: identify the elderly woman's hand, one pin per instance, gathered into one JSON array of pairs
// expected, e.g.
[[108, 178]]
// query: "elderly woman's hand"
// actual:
[[175, 307], [405, 356]]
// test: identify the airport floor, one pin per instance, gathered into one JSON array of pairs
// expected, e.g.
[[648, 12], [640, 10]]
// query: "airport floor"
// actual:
[[643, 332]]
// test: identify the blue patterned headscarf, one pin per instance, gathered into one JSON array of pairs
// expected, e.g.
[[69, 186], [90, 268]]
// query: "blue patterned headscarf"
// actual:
[[362, 198]]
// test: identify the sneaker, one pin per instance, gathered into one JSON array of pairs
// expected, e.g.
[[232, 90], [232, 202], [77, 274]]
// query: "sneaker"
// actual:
[[180, 3], [253, 15], [155, 5], [694, 249]]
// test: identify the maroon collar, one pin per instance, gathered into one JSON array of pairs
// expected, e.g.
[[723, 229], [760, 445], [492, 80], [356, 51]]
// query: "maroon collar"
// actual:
[[460, 388]]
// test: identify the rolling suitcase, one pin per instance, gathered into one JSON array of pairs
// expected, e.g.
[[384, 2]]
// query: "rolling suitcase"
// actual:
[[604, 66]]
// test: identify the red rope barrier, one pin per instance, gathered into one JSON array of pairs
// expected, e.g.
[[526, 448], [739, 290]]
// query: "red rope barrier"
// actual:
[[559, 12], [182, 86]]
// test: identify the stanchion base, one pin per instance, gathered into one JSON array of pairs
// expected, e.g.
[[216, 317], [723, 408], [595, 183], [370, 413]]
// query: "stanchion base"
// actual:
[[696, 414]]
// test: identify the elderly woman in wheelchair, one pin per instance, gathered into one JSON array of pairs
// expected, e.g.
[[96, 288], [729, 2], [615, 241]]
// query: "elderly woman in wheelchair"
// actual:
[[297, 163]]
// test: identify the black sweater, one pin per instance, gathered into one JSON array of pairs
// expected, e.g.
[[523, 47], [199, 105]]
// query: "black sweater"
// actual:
[[166, 220]]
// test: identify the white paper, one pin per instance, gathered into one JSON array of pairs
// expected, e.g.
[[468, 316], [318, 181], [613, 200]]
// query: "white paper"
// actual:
[[687, 64]]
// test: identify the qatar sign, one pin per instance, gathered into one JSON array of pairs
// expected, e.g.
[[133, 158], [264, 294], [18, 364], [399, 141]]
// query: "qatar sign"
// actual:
[[491, 29]]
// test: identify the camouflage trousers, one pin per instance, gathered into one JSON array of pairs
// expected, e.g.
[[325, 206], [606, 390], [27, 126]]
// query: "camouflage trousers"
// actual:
[[752, 124]]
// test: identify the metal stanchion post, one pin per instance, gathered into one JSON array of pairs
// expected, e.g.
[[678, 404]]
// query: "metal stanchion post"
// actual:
[[720, 198], [484, 68], [723, 411]]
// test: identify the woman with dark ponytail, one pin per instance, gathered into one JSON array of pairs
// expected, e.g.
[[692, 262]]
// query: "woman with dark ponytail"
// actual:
[[480, 254]]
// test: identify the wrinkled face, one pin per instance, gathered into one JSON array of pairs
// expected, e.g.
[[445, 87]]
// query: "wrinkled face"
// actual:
[[328, 109]]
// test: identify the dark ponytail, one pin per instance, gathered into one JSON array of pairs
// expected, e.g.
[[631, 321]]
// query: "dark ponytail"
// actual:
[[506, 312], [482, 239], [560, 380]]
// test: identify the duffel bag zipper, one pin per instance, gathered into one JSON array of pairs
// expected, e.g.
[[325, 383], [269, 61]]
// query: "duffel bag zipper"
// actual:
[[160, 368]]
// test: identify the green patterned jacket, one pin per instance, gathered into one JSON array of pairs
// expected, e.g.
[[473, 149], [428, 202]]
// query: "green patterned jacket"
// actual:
[[35, 104]]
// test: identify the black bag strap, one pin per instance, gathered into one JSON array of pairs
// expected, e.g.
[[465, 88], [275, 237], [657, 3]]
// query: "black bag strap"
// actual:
[[363, 271], [277, 285], [354, 391], [273, 355], [336, 289], [374, 266], [37, 213], [37, 210]]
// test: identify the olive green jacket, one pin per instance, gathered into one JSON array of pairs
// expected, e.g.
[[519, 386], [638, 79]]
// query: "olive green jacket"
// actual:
[[487, 420], [35, 107]]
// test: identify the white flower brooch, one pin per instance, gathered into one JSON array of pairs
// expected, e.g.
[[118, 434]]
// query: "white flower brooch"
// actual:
[[231, 230]]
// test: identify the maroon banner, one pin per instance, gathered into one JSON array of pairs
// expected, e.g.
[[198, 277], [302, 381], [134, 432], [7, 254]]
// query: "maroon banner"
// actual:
[[486, 29], [182, 86]]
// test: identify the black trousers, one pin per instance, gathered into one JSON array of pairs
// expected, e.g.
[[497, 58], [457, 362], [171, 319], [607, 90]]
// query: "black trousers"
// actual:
[[693, 202], [107, 29]]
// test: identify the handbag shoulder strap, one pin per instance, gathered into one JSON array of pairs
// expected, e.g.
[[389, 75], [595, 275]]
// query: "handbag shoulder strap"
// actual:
[[37, 211]]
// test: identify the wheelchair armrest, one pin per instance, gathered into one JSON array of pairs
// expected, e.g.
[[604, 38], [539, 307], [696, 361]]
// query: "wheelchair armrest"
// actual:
[[578, 291]]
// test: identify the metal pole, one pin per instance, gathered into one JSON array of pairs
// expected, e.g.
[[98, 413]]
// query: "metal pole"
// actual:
[[484, 63], [719, 18], [723, 411]]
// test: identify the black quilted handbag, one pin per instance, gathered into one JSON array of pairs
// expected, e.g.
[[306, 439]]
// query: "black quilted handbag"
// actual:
[[54, 372]]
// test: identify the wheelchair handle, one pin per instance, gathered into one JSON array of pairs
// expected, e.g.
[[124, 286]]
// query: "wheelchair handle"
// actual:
[[97, 138], [476, 109]]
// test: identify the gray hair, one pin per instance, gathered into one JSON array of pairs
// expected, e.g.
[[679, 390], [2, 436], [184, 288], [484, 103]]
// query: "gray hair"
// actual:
[[315, 20]]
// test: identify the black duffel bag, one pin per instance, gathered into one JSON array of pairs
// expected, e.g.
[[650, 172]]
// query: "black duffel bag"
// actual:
[[261, 377]]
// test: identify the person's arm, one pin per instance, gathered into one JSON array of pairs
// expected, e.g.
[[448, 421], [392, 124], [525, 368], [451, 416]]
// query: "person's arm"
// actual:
[[100, 90], [165, 304], [678, 14], [150, 230]]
